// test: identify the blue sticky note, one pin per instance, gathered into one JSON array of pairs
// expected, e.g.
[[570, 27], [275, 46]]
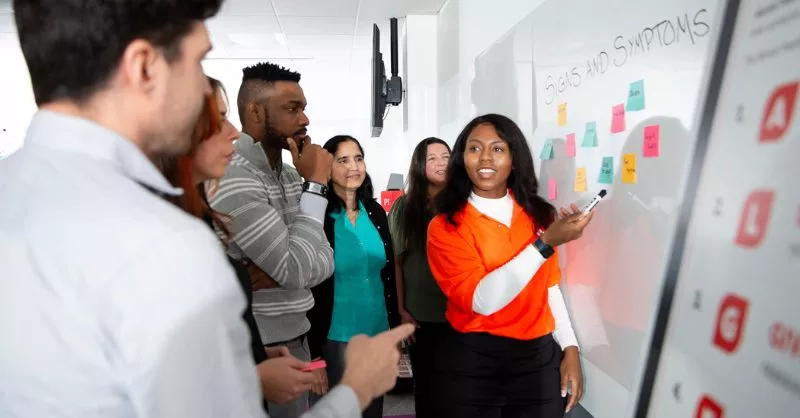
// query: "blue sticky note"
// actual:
[[547, 150], [590, 135], [635, 96], [607, 171]]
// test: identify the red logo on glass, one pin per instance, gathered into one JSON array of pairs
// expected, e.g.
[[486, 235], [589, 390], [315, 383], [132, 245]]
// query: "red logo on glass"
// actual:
[[778, 113], [730, 322], [755, 218]]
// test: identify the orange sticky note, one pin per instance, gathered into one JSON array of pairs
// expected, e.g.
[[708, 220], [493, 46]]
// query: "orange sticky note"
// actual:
[[629, 168], [551, 189], [651, 141], [570, 145], [562, 114], [618, 118], [580, 179]]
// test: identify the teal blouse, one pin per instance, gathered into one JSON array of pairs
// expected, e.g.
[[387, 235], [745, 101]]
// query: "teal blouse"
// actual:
[[359, 306]]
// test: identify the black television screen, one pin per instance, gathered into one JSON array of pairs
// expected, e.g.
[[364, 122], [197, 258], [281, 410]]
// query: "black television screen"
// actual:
[[378, 84]]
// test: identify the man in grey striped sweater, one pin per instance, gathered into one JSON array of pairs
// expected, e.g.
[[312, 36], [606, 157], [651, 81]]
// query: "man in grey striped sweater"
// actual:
[[276, 219]]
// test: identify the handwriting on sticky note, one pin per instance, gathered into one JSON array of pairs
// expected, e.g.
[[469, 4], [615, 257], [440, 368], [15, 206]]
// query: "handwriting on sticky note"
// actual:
[[570, 147], [580, 179], [547, 150], [618, 118], [629, 168], [635, 96], [562, 114], [650, 147], [552, 194], [607, 171], [590, 135]]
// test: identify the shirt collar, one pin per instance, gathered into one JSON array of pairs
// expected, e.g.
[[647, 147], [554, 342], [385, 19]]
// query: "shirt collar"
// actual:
[[253, 152], [471, 212], [341, 213], [65, 133]]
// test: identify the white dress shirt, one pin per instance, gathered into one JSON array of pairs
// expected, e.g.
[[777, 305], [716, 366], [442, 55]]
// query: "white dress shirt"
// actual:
[[113, 302]]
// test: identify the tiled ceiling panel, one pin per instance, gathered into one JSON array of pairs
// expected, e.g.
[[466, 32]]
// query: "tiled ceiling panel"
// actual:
[[308, 25], [317, 8]]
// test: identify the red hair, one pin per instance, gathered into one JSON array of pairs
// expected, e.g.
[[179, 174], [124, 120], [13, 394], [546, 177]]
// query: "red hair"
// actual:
[[193, 199], [179, 171]]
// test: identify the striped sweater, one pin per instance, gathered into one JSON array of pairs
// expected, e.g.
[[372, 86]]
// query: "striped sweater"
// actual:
[[280, 229]]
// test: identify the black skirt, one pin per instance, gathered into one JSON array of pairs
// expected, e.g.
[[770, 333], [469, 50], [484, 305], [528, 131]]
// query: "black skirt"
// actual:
[[487, 376]]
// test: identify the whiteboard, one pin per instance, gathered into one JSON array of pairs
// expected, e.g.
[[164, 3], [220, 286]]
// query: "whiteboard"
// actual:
[[729, 320], [584, 55]]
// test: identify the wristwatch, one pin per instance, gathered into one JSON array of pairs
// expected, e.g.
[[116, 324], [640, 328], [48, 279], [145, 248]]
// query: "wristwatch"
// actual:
[[315, 188], [543, 248]]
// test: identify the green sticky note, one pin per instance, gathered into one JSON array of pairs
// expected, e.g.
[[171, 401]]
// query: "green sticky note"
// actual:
[[635, 96], [547, 150], [590, 135], [607, 171]]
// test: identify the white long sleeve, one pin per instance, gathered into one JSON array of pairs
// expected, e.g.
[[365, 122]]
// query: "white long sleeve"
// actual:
[[564, 334], [498, 288]]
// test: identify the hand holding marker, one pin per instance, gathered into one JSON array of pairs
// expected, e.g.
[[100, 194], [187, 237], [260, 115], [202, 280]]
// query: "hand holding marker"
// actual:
[[589, 206]]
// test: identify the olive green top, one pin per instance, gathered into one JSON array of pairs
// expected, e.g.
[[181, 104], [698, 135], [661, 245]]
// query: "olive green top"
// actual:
[[423, 297]]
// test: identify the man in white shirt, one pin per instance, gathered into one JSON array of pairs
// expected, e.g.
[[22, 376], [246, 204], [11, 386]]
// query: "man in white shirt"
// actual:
[[114, 303]]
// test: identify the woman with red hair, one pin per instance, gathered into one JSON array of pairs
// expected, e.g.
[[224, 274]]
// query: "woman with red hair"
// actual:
[[282, 376]]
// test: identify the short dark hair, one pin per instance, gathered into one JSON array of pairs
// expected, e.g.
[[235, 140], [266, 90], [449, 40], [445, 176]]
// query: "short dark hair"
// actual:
[[522, 181], [364, 192], [254, 80], [269, 73], [72, 47]]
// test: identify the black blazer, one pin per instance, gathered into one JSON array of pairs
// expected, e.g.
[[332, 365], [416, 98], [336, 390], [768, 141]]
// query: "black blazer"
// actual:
[[320, 315]]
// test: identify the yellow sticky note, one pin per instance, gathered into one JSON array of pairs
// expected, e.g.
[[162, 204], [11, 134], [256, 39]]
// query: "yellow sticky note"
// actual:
[[562, 114], [629, 168], [580, 179]]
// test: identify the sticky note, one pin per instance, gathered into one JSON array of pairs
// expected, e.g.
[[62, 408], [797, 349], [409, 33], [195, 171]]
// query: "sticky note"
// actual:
[[570, 145], [547, 150], [590, 135], [551, 189], [651, 140], [629, 168], [635, 96], [618, 118], [607, 171], [562, 114], [580, 179]]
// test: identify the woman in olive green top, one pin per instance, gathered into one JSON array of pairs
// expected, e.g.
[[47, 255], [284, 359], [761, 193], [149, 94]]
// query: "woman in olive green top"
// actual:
[[420, 300]]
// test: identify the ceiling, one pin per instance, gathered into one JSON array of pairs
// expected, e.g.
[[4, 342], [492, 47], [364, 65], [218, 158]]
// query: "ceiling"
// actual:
[[305, 29], [293, 29]]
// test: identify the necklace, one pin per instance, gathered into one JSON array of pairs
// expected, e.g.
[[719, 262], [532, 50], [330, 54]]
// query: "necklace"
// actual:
[[352, 215]]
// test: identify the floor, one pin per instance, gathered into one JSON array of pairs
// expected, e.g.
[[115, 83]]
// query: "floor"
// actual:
[[401, 405]]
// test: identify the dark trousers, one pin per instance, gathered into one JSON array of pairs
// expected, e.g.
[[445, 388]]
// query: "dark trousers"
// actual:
[[333, 353], [486, 376], [427, 338]]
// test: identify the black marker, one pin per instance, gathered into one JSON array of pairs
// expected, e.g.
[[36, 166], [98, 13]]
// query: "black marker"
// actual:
[[594, 202]]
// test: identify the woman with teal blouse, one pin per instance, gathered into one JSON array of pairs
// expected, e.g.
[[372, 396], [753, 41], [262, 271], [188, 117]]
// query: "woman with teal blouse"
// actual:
[[361, 297]]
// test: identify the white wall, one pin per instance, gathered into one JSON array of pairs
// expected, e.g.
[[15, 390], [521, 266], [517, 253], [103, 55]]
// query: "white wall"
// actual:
[[465, 29], [16, 97]]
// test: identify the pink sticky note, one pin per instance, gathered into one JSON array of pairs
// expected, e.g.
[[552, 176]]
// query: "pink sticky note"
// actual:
[[651, 141], [551, 189], [570, 145], [618, 118]]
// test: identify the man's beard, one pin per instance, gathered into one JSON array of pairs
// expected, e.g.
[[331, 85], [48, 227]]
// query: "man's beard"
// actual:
[[274, 137]]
